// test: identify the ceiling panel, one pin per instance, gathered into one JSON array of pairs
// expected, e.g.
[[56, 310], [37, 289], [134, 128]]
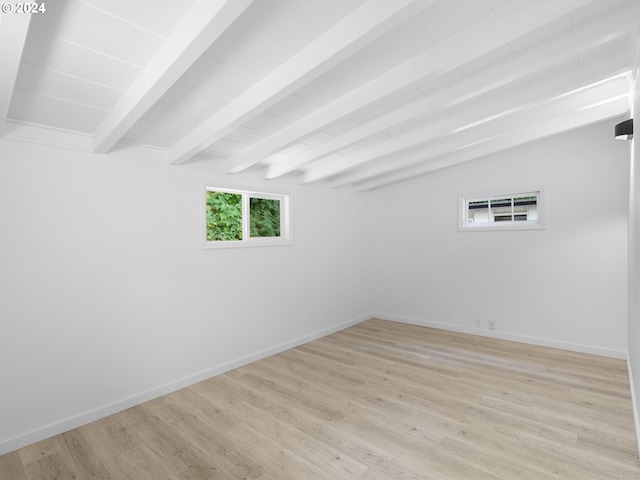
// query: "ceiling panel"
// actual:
[[292, 107], [332, 12], [316, 139], [441, 81], [344, 153], [324, 89], [189, 97], [54, 107], [501, 54], [375, 140], [359, 68], [240, 49], [402, 98], [158, 134], [75, 60], [274, 110], [340, 126], [368, 113], [520, 84], [79, 23], [543, 34], [446, 18], [294, 149], [223, 148], [163, 113], [287, 24], [267, 122], [605, 50], [245, 136], [55, 84], [218, 78], [593, 10], [55, 123], [498, 4], [400, 44], [145, 140], [159, 17]]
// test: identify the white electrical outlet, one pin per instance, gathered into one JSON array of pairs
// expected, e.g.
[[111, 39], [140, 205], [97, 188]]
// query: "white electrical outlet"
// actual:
[[492, 324], [478, 323]]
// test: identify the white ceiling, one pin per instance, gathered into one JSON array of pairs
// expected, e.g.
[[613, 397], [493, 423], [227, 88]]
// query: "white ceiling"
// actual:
[[356, 93]]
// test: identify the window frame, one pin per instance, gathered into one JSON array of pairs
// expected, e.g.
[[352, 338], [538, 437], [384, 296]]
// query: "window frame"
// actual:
[[465, 199], [286, 228]]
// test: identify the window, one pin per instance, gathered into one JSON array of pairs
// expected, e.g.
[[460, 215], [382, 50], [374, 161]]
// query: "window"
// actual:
[[513, 211], [236, 218]]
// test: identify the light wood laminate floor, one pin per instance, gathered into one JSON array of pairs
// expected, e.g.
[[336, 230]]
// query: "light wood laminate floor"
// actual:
[[377, 401]]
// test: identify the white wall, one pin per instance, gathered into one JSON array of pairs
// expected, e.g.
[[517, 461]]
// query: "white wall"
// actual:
[[634, 260], [108, 298], [563, 286]]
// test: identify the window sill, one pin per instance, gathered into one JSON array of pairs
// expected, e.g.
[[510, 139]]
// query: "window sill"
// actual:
[[501, 228], [245, 244]]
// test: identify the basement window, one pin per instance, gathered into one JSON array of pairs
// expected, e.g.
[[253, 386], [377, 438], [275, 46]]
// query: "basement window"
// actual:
[[238, 218], [510, 211]]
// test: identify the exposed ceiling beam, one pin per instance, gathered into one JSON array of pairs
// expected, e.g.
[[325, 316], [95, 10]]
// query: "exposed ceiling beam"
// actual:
[[361, 27], [510, 139], [13, 35], [201, 26], [584, 75], [496, 30], [487, 113], [582, 38]]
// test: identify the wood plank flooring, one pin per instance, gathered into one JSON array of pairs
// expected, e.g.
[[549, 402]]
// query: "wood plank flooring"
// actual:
[[377, 401]]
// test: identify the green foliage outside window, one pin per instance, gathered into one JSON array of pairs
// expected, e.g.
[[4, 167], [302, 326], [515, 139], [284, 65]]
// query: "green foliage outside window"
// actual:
[[224, 216], [264, 217]]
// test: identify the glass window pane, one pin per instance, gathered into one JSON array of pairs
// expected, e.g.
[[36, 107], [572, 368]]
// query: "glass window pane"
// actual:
[[501, 202], [224, 216], [478, 204], [532, 200], [478, 212], [502, 211], [532, 213], [264, 217]]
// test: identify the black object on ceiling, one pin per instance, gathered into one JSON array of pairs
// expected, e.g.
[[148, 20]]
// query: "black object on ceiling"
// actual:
[[624, 130]]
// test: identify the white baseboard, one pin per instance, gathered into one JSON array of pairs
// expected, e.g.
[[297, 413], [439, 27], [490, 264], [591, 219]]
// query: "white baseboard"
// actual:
[[81, 419], [573, 347], [634, 402]]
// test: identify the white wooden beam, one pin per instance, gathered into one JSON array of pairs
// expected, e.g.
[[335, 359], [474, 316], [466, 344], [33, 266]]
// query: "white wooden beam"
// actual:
[[364, 25], [13, 35], [488, 113], [579, 77], [510, 139], [496, 30], [201, 26], [508, 117], [614, 24]]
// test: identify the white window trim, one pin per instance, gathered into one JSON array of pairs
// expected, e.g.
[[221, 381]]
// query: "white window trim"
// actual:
[[463, 199], [286, 220]]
